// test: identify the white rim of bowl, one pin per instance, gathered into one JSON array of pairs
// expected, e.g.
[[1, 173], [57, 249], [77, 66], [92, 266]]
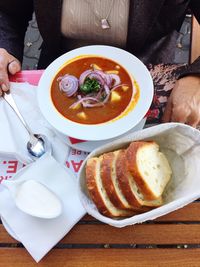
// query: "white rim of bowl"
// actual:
[[106, 130]]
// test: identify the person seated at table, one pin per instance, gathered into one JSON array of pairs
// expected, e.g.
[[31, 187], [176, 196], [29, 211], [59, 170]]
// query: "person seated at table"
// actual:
[[146, 28]]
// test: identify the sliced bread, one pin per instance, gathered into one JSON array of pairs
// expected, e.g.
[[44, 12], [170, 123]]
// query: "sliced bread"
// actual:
[[149, 167], [129, 187], [98, 193], [110, 181]]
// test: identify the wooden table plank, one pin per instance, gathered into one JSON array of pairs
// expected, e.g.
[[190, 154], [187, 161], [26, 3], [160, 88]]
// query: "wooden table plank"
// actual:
[[190, 212], [89, 231], [103, 257], [138, 234]]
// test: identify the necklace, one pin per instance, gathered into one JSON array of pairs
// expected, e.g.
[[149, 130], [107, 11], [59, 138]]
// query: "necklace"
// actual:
[[103, 20]]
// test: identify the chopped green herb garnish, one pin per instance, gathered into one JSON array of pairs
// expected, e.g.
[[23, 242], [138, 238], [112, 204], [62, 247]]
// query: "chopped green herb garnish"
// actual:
[[90, 86]]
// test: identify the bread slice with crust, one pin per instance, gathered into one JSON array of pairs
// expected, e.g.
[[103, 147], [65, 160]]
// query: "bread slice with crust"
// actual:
[[129, 187], [110, 181], [149, 167], [98, 193]]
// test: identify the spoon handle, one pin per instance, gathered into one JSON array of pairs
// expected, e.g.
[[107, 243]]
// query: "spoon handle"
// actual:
[[9, 99]]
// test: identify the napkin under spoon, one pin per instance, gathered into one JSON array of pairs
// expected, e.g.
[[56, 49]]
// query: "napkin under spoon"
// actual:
[[38, 144]]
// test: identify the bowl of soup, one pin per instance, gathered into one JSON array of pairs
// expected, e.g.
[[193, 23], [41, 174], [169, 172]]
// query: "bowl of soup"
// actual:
[[95, 92]]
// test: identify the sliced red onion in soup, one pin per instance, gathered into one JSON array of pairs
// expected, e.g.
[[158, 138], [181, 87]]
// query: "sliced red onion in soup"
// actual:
[[116, 79], [87, 102], [68, 84], [89, 87], [103, 75], [99, 75], [118, 86], [83, 76]]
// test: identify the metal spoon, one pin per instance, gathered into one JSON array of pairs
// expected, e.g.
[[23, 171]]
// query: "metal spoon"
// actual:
[[34, 198], [38, 144]]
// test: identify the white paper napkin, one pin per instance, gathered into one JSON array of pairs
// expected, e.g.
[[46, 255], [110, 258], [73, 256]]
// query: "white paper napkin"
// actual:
[[13, 135], [40, 235]]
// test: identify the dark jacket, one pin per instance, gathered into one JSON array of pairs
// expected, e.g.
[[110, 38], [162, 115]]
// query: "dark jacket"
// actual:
[[152, 30]]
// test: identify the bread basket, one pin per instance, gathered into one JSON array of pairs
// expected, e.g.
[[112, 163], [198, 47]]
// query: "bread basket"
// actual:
[[181, 145]]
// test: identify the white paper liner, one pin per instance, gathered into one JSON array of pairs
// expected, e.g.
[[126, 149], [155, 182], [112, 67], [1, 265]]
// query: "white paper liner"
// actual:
[[181, 145]]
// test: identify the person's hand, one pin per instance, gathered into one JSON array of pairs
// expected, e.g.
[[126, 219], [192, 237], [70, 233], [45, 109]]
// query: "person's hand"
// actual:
[[184, 102], [8, 65]]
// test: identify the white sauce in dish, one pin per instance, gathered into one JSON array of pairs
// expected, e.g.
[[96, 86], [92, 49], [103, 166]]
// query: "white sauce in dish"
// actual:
[[37, 200]]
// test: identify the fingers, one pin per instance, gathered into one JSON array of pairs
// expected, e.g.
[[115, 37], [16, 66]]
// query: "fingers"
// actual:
[[14, 66], [174, 113], [3, 88], [181, 115], [184, 102], [193, 120], [8, 65], [168, 111], [4, 82]]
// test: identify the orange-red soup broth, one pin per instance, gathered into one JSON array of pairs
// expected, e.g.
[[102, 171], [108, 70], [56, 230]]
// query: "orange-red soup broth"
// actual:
[[94, 115]]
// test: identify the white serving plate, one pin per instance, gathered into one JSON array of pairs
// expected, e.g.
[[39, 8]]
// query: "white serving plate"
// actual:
[[107, 130], [89, 146]]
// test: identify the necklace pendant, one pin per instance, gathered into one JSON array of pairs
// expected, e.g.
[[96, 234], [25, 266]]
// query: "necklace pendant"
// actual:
[[104, 24]]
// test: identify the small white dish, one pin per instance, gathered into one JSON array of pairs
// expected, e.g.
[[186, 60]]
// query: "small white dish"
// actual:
[[111, 129], [59, 180], [33, 198]]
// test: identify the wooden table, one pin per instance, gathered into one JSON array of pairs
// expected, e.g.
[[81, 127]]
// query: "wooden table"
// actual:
[[172, 240]]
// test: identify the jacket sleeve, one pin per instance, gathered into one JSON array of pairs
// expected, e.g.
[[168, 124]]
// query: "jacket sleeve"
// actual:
[[194, 68], [14, 17]]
